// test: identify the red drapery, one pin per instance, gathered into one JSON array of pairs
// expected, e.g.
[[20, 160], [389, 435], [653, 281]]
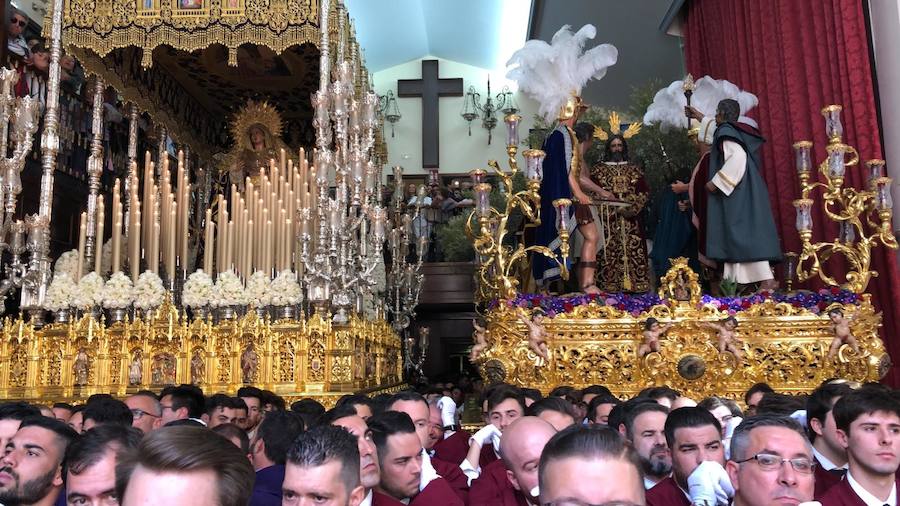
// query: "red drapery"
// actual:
[[798, 56]]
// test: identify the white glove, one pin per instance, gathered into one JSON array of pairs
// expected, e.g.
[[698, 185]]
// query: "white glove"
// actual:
[[486, 435], [448, 411], [428, 472], [799, 416], [731, 425], [709, 484]]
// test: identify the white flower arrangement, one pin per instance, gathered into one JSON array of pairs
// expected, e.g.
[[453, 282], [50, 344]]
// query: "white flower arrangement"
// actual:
[[67, 263], [90, 291], [119, 292], [149, 292], [229, 291], [258, 289], [284, 290], [61, 292], [198, 289]]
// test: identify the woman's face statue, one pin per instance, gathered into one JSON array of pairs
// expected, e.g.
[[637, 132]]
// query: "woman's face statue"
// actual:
[[257, 137]]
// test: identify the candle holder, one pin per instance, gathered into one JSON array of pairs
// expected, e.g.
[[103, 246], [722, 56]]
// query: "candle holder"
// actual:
[[487, 227], [863, 216]]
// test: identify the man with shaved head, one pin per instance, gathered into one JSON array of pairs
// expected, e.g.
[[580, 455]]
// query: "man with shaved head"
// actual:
[[512, 481]]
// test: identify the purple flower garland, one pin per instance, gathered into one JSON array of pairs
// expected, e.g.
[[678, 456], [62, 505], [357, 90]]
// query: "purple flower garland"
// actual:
[[636, 304]]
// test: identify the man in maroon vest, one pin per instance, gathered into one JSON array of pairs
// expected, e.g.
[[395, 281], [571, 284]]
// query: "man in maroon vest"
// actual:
[[694, 436], [346, 416], [771, 462], [401, 459], [505, 404], [513, 480], [868, 427], [414, 405], [645, 430], [831, 458]]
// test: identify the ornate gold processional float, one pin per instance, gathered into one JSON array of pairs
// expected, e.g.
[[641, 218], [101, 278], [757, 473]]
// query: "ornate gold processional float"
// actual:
[[783, 339], [276, 278]]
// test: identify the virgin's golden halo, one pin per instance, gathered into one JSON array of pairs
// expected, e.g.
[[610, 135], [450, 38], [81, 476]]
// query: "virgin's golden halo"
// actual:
[[256, 113]]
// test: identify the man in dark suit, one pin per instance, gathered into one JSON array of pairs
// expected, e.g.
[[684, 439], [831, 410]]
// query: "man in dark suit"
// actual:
[[694, 437], [868, 427], [831, 458], [771, 462], [268, 451]]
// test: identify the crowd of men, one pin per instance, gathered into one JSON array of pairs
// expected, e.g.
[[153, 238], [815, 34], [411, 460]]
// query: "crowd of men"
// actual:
[[840, 445]]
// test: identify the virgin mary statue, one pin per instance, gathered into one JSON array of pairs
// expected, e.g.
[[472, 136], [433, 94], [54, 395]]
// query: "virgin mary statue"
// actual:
[[256, 131]]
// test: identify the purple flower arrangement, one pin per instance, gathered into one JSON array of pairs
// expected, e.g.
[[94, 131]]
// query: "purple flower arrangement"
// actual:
[[635, 304]]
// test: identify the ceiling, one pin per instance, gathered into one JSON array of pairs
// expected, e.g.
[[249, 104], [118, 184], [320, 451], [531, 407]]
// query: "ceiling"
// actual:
[[481, 33]]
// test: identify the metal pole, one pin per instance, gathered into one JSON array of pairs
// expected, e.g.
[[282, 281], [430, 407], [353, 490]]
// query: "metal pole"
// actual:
[[95, 169], [133, 119]]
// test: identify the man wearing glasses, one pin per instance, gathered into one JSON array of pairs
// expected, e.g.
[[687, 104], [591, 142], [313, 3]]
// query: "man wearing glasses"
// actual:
[[16, 41], [771, 462], [146, 411]]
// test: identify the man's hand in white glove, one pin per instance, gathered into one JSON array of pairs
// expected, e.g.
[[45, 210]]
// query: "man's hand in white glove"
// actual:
[[732, 424], [428, 471], [709, 485], [448, 411], [485, 435]]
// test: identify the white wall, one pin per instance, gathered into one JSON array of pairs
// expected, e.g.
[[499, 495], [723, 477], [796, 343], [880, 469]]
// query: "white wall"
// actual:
[[459, 153], [885, 16]]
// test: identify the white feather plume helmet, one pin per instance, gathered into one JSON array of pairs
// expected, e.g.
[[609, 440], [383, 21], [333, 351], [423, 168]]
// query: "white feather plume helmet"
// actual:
[[668, 104], [551, 73]]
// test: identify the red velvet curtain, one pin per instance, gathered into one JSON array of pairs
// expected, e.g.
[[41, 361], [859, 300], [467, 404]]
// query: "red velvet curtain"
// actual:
[[798, 56]]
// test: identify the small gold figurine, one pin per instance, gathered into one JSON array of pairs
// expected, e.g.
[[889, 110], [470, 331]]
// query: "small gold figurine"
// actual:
[[842, 333], [537, 336], [652, 332], [728, 340], [82, 367], [480, 341]]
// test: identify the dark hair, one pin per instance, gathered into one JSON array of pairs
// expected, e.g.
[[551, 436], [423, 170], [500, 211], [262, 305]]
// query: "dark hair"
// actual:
[[618, 413], [252, 392], [230, 430], [596, 390], [589, 442], [561, 391], [779, 404], [277, 430], [648, 323], [607, 148], [185, 422], [757, 388], [820, 402], [354, 400], [862, 401], [379, 401], [638, 410], [326, 443], [504, 392], [711, 403], [688, 417], [97, 397], [740, 440], [64, 434], [597, 401], [336, 413], [663, 392], [224, 401], [733, 407], [105, 411], [583, 131], [88, 449], [552, 404], [186, 396], [730, 109], [531, 393], [190, 449], [274, 400], [406, 395], [835, 310], [62, 405], [309, 410], [384, 425], [18, 411]]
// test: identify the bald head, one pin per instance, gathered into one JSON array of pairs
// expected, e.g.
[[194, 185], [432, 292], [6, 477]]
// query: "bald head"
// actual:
[[521, 447]]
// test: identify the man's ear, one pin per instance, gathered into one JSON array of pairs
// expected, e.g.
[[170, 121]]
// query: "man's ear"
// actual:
[[816, 425], [259, 447], [357, 495], [843, 438], [513, 481], [205, 418], [58, 477], [732, 469], [623, 431]]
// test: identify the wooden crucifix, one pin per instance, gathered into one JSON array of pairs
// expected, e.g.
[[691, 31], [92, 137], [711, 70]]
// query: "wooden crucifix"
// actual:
[[430, 88]]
